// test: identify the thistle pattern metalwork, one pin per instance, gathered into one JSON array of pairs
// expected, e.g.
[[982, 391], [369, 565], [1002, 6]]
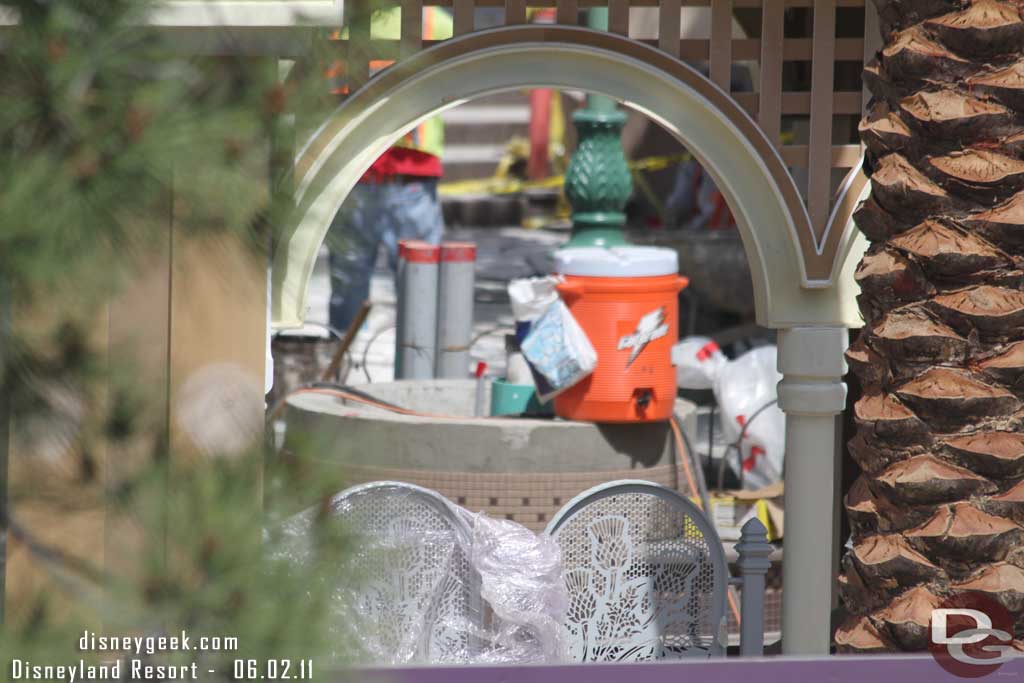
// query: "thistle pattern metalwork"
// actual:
[[409, 588], [640, 579]]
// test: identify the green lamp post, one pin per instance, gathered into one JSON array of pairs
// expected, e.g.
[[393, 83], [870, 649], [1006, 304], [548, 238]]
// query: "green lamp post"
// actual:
[[598, 182]]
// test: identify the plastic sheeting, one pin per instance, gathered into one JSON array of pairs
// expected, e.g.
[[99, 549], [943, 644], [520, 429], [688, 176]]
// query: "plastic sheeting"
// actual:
[[429, 582], [522, 582]]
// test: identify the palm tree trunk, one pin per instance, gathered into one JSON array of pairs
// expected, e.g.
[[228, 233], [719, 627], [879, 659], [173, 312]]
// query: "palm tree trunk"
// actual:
[[939, 507]]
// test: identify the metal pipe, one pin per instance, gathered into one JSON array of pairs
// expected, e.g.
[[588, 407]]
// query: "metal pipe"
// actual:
[[455, 309], [417, 310]]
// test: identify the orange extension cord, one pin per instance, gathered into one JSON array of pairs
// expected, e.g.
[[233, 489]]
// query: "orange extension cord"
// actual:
[[684, 461], [676, 433], [341, 393]]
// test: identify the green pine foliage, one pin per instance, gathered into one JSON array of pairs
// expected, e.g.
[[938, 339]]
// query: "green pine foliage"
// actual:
[[111, 137]]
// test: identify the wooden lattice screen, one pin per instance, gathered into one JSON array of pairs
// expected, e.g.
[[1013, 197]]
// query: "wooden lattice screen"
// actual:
[[825, 148]]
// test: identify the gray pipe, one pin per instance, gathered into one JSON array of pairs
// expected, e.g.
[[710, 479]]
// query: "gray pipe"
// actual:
[[417, 310], [455, 309]]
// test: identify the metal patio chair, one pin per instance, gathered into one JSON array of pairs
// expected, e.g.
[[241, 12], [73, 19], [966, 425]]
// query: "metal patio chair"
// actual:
[[646, 575], [415, 596]]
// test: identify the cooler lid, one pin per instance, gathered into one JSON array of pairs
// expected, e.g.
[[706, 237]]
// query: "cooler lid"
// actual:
[[616, 261]]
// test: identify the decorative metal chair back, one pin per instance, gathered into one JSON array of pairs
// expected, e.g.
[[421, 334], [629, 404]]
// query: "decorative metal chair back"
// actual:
[[414, 593], [646, 575]]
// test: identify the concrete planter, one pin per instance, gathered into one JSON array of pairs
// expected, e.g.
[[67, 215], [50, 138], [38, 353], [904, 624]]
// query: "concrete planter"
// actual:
[[515, 468]]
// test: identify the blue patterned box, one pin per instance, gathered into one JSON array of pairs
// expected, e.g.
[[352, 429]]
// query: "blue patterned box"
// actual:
[[558, 351]]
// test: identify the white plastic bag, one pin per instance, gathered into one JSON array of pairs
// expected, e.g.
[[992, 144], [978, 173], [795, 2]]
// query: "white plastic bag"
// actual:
[[530, 297], [558, 350], [746, 392], [698, 361]]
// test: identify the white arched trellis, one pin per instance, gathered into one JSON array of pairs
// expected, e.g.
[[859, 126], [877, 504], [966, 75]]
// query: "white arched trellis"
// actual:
[[796, 280], [803, 286]]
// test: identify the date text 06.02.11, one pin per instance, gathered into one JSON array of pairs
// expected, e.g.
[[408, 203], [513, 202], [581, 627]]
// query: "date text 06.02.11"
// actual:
[[273, 669]]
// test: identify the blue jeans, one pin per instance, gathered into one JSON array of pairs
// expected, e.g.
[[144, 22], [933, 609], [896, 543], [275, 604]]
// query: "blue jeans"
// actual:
[[375, 214]]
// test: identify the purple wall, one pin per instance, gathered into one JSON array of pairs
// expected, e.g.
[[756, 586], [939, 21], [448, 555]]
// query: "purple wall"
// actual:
[[893, 669]]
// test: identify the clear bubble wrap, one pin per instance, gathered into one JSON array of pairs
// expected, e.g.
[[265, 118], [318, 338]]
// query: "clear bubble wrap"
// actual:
[[429, 582]]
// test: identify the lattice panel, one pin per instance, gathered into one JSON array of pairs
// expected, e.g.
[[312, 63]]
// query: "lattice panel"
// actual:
[[825, 140]]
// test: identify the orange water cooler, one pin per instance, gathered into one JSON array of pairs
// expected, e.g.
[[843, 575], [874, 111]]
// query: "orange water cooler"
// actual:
[[626, 300]]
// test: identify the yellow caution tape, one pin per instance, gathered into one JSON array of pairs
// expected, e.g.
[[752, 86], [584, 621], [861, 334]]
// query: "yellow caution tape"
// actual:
[[518, 149], [502, 184]]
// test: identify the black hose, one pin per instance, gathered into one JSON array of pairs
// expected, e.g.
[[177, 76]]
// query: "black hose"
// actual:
[[349, 390], [366, 350]]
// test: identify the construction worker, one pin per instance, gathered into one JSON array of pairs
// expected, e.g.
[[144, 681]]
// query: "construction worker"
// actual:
[[696, 203], [395, 199]]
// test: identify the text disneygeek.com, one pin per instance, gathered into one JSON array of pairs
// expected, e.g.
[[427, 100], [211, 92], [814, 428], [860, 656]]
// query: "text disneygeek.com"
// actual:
[[136, 658]]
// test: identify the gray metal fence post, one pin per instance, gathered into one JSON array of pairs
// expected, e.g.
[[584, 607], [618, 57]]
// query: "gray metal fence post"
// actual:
[[753, 550], [455, 309]]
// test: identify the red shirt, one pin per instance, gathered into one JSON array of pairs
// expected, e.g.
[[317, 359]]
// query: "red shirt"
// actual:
[[403, 161]]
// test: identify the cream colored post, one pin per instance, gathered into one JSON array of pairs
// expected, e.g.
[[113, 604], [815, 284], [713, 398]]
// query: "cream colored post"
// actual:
[[811, 393]]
